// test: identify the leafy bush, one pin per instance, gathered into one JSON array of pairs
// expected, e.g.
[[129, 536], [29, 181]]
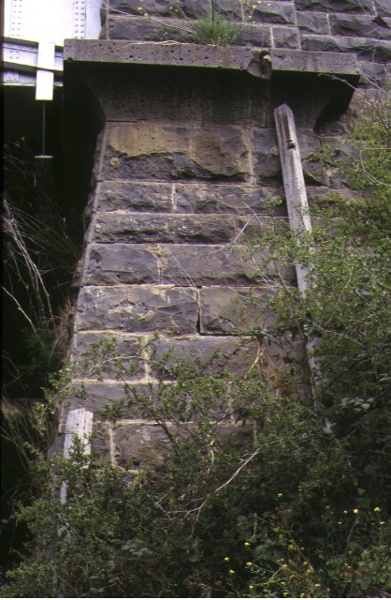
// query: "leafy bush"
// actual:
[[298, 504]]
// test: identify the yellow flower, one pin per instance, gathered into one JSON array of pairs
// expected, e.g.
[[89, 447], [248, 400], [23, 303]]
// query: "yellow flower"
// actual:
[[317, 584], [377, 509], [226, 558], [279, 495], [250, 587], [382, 523], [247, 543], [249, 564], [356, 511], [231, 572]]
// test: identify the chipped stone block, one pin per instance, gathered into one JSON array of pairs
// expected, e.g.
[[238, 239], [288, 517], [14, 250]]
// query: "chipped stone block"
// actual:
[[158, 8], [286, 37], [131, 228], [149, 30], [265, 152], [255, 34], [138, 197], [96, 358], [101, 443], [210, 265], [215, 354], [231, 311], [363, 47], [178, 95], [383, 8], [112, 400], [271, 12], [253, 227], [228, 9], [357, 25], [372, 74], [231, 199], [152, 150], [137, 309], [120, 263], [346, 6], [315, 22], [145, 443], [140, 444]]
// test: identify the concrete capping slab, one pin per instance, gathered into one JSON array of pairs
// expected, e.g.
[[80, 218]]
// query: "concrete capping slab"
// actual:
[[164, 54], [257, 62], [306, 61]]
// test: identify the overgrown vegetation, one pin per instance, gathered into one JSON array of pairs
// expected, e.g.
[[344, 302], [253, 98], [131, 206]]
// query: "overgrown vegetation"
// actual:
[[298, 503], [39, 256]]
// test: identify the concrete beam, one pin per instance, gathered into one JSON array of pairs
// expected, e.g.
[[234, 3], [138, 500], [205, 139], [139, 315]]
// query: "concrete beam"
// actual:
[[260, 63], [319, 63], [164, 54]]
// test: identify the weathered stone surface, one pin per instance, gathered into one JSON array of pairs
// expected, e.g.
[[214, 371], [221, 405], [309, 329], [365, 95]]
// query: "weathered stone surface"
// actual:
[[100, 444], [256, 34], [372, 74], [231, 199], [120, 264], [140, 444], [214, 354], [137, 309], [229, 9], [383, 8], [158, 8], [286, 37], [181, 95], [112, 400], [169, 52], [339, 125], [265, 154], [324, 195], [313, 168], [149, 30], [354, 25], [138, 197], [144, 444], [146, 150], [271, 12], [235, 199], [230, 311], [253, 227], [364, 47], [131, 228], [142, 28], [316, 22], [364, 6], [109, 355], [209, 265], [313, 62]]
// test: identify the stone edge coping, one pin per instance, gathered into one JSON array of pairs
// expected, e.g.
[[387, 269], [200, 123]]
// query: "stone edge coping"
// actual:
[[257, 62]]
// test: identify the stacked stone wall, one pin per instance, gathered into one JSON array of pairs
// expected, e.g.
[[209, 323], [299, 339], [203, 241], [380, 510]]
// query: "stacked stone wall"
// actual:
[[362, 27], [186, 166]]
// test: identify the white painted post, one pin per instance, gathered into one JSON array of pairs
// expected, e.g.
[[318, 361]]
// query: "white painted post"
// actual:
[[78, 425], [297, 203]]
